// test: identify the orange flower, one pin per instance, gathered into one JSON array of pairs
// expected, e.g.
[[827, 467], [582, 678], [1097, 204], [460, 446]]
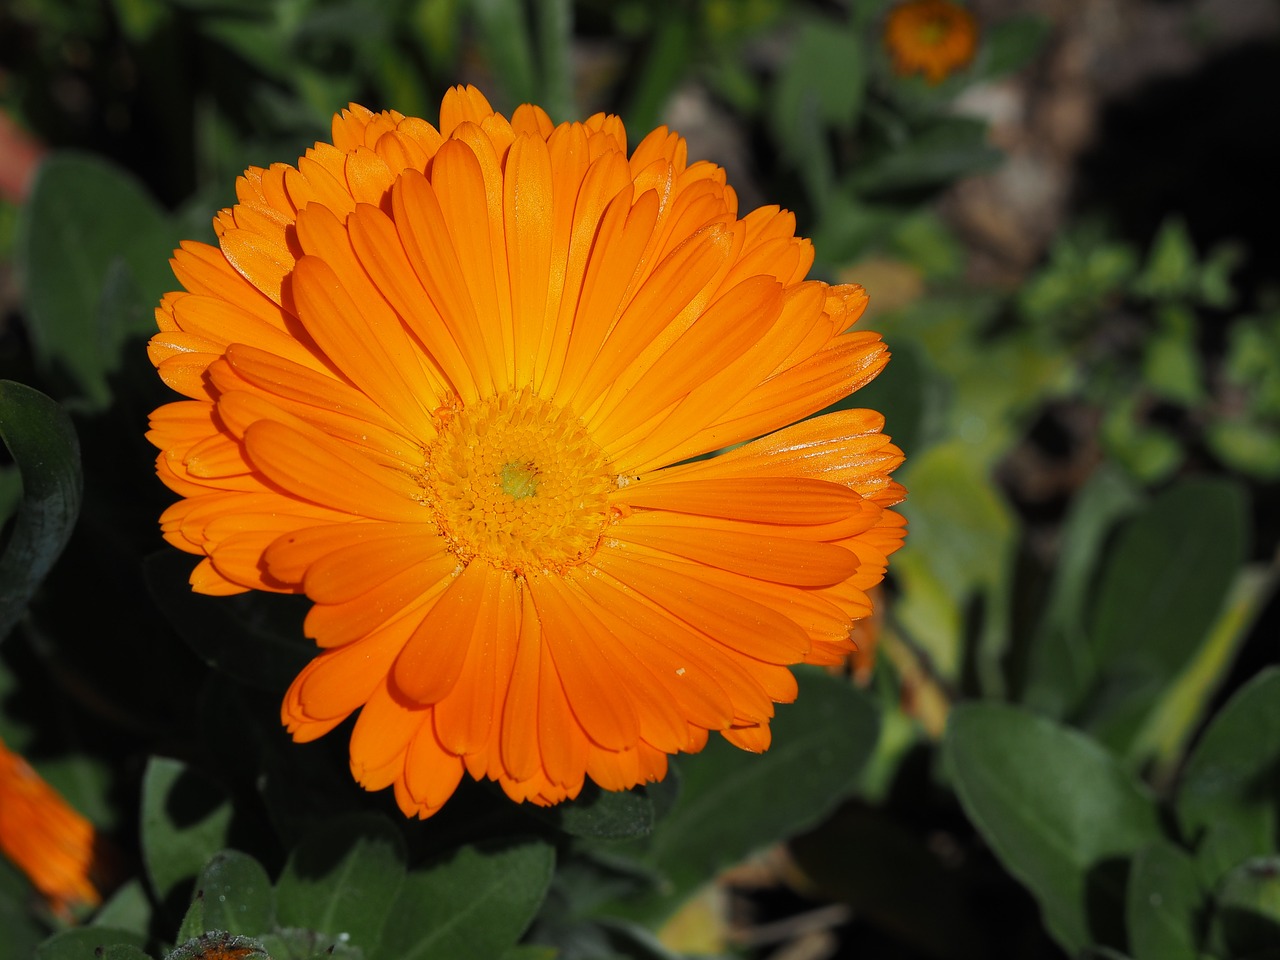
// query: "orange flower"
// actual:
[[48, 840], [449, 383], [933, 37]]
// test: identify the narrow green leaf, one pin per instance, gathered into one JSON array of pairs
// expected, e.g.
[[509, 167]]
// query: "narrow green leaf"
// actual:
[[192, 925], [474, 905], [1164, 904], [733, 802], [43, 444], [1165, 582], [342, 881], [666, 63], [88, 943], [824, 79], [22, 932], [84, 215], [1058, 810], [237, 894], [504, 36], [185, 818], [555, 35], [1233, 774], [1061, 664], [1011, 44]]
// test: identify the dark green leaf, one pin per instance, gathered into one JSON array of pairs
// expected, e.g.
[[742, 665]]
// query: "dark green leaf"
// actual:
[[185, 818], [21, 930], [733, 802], [472, 906], [941, 153], [1164, 584], [603, 814], [1010, 45], [1058, 810], [1233, 775], [342, 881], [85, 215], [1246, 920], [257, 640], [822, 85], [237, 894], [43, 444], [88, 943], [1164, 904], [1061, 662]]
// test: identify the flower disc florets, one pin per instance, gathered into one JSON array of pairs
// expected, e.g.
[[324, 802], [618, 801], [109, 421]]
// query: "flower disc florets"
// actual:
[[516, 481]]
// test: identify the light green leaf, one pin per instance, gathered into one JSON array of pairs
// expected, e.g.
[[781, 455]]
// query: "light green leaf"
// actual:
[[185, 818], [43, 444], [1164, 904], [1058, 810], [342, 881], [505, 38], [474, 905], [237, 894], [127, 909]]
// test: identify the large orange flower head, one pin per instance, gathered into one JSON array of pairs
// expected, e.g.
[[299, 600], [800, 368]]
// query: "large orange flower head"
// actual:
[[452, 383], [932, 37]]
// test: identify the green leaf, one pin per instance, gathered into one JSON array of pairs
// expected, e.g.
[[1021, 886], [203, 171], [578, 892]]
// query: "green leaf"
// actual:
[[505, 38], [84, 216], [1011, 44], [1246, 921], [1164, 904], [733, 802], [1164, 584], [1170, 271], [257, 640], [128, 908], [22, 932], [603, 814], [185, 819], [1058, 810], [342, 881], [237, 894], [42, 442], [1061, 664], [474, 905], [949, 149], [193, 924], [823, 83], [90, 943], [1233, 775]]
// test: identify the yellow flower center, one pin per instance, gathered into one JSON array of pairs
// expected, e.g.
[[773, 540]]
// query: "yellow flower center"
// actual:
[[517, 481]]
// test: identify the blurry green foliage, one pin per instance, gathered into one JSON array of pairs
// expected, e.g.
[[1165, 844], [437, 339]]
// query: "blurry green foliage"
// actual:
[[1101, 753]]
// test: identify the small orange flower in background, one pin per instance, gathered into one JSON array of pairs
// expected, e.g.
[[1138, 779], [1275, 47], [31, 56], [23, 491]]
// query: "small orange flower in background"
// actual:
[[932, 37], [45, 837], [448, 381]]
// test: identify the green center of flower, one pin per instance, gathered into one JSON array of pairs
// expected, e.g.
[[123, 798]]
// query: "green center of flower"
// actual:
[[518, 482]]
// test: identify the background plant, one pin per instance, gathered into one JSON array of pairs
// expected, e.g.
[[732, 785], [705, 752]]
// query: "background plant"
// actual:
[[1071, 741]]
